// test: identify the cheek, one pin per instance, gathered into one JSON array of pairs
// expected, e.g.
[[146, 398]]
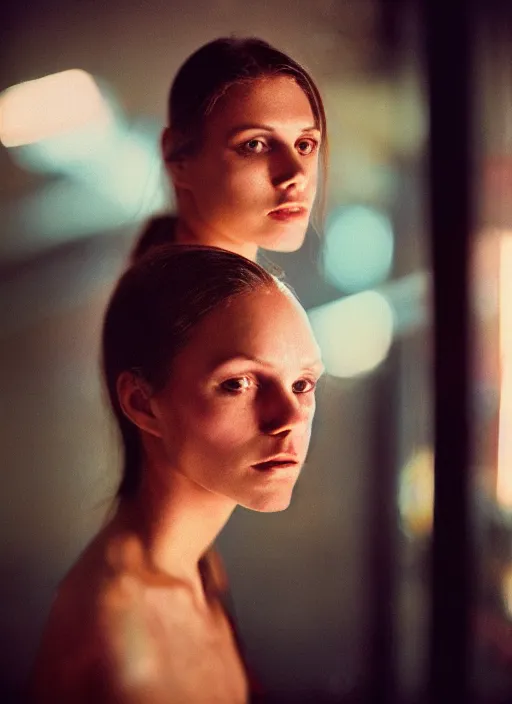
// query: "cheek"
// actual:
[[309, 408], [242, 181], [221, 423], [309, 414], [313, 176], [228, 199]]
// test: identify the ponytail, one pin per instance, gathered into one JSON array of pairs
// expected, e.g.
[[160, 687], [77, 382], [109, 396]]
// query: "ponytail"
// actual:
[[158, 231]]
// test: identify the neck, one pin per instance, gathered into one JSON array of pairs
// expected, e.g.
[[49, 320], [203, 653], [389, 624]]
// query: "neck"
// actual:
[[190, 232], [175, 525]]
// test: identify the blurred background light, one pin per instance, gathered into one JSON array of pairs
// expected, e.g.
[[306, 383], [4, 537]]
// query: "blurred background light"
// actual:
[[358, 250], [504, 474], [416, 493], [109, 175], [507, 590], [354, 333], [64, 152], [119, 163], [49, 106], [409, 298]]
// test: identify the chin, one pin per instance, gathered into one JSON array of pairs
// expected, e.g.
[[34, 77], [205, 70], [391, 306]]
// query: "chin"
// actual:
[[285, 242], [269, 504]]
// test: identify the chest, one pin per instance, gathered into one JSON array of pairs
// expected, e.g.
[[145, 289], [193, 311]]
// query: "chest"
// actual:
[[197, 656]]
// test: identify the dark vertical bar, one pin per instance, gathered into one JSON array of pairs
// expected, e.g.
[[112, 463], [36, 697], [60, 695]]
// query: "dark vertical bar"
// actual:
[[448, 51], [382, 539]]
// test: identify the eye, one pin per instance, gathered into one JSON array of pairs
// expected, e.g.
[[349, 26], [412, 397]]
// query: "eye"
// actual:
[[303, 386], [253, 146], [237, 385], [307, 146]]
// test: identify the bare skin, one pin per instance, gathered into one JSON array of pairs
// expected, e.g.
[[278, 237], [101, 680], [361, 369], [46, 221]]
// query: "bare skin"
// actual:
[[132, 621], [122, 631], [259, 152]]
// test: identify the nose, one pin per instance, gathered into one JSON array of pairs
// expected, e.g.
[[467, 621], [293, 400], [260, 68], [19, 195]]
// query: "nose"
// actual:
[[281, 412], [289, 169]]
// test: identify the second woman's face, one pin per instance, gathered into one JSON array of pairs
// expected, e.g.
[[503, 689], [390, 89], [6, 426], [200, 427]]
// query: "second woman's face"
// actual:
[[253, 181], [236, 412]]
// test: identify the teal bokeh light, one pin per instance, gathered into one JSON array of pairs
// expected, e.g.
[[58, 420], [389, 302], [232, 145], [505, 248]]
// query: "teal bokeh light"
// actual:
[[358, 249]]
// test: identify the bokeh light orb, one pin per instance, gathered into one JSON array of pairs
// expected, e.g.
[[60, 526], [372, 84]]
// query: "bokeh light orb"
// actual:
[[354, 333], [358, 248]]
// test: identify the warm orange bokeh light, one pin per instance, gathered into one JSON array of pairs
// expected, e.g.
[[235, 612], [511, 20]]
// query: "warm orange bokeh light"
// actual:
[[504, 478]]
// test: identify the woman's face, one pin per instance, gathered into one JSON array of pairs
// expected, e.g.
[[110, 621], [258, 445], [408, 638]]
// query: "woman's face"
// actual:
[[253, 181], [236, 413]]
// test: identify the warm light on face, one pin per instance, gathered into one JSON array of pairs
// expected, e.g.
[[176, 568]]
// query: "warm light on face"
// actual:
[[504, 479], [50, 106], [242, 398], [259, 154]]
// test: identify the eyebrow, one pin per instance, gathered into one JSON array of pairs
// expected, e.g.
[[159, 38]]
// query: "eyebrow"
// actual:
[[315, 364], [267, 128]]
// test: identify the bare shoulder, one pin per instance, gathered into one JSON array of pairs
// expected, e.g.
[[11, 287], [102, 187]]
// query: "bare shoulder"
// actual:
[[97, 644], [120, 632]]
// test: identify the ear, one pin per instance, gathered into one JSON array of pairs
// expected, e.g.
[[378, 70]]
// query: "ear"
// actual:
[[135, 399], [176, 168]]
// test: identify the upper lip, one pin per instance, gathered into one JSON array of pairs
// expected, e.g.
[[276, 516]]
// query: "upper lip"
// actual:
[[289, 205], [283, 457]]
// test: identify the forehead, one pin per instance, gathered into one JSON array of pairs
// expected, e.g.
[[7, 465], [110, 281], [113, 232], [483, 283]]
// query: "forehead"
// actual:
[[268, 325], [273, 101]]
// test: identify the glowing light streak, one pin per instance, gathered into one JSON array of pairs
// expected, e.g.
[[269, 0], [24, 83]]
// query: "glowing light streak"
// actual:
[[53, 105], [504, 474]]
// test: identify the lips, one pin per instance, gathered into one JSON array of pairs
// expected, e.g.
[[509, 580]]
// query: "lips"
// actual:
[[289, 211], [276, 463]]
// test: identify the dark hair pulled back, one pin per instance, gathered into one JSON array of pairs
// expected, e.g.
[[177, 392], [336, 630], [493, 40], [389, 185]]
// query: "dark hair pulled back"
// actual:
[[154, 308], [209, 73], [201, 81]]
